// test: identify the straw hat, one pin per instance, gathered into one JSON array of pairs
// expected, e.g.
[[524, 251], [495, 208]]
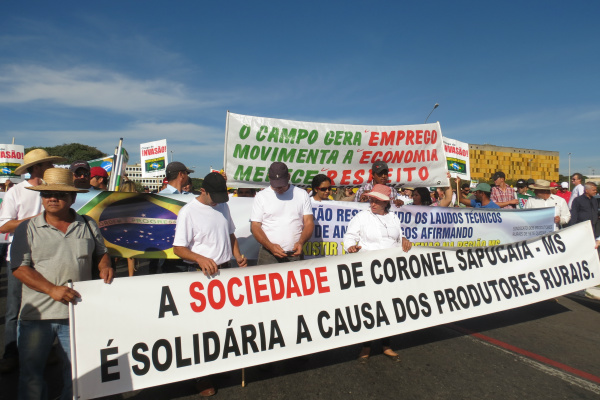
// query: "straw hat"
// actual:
[[57, 180], [540, 184], [380, 192], [37, 156]]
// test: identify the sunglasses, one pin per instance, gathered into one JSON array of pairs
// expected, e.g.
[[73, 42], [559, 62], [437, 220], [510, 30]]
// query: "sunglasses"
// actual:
[[324, 189], [56, 195], [84, 174]]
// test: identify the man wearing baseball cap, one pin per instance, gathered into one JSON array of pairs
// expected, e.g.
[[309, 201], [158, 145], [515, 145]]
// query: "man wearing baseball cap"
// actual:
[[177, 176], [81, 174], [281, 219], [563, 192], [482, 197], [502, 194], [205, 239], [49, 250], [522, 193], [99, 178], [380, 172], [20, 205]]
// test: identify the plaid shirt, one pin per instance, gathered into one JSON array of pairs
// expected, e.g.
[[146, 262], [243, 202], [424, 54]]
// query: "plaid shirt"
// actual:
[[368, 187], [500, 196]]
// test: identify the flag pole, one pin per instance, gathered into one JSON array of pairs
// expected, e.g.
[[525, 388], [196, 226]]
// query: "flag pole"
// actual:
[[73, 347]]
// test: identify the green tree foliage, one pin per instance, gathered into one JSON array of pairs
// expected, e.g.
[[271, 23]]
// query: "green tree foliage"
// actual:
[[72, 152], [197, 184]]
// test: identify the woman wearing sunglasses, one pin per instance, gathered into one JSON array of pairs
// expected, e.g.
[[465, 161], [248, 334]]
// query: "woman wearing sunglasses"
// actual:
[[321, 188]]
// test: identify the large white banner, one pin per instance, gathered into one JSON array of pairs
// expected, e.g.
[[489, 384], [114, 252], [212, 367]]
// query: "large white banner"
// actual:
[[154, 158], [457, 158], [414, 153], [431, 226], [11, 158], [152, 330]]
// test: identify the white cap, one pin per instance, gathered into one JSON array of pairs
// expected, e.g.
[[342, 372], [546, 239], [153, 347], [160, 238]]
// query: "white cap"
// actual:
[[564, 185]]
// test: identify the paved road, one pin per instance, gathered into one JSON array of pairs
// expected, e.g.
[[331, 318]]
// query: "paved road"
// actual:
[[549, 350]]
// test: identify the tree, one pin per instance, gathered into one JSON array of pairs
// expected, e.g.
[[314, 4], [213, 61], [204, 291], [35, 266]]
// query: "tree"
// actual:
[[197, 184], [72, 152]]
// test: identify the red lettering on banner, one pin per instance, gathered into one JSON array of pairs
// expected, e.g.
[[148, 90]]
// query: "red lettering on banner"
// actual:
[[364, 159], [345, 177], [217, 305], [292, 285], [374, 138], [266, 287], [195, 292], [332, 175], [419, 139], [258, 288], [236, 302], [321, 280], [248, 289], [275, 295], [358, 177], [410, 137]]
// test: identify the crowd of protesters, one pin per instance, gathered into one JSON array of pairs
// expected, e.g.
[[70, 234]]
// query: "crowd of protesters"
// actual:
[[44, 229]]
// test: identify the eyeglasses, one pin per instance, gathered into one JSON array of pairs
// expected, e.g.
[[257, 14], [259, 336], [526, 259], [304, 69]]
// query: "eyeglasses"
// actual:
[[56, 195], [325, 189]]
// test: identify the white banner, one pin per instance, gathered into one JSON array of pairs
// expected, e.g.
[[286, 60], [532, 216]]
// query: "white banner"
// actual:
[[431, 226], [154, 158], [11, 158], [152, 330], [457, 158], [414, 153]]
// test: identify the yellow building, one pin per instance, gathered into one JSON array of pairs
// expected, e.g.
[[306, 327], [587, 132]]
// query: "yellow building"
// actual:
[[516, 163]]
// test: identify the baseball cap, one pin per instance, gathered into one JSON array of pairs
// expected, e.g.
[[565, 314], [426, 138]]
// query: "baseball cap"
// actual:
[[216, 187], [379, 166], [530, 181], [279, 175], [98, 171], [79, 164], [176, 166], [484, 187], [521, 183], [564, 185], [498, 174], [554, 185]]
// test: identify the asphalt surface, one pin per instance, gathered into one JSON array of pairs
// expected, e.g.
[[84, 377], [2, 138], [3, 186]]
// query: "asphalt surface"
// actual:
[[548, 350]]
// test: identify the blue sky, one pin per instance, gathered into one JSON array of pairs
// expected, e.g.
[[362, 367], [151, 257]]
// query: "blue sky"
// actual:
[[521, 74]]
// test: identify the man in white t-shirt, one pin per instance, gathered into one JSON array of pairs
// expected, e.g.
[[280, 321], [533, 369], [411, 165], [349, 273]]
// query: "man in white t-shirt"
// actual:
[[578, 189], [204, 234], [205, 239], [282, 219]]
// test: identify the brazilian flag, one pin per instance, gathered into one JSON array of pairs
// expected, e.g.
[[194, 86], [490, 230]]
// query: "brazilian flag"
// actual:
[[135, 224]]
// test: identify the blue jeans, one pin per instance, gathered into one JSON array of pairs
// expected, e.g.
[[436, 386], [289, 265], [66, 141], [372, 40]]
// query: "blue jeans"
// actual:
[[35, 340], [13, 305]]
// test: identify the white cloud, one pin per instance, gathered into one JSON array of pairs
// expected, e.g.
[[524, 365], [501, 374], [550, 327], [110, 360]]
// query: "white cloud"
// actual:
[[85, 87], [191, 143]]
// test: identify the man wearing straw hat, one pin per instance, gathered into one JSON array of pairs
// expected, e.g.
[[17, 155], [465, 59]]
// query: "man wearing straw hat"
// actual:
[[544, 198], [19, 205], [49, 250]]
